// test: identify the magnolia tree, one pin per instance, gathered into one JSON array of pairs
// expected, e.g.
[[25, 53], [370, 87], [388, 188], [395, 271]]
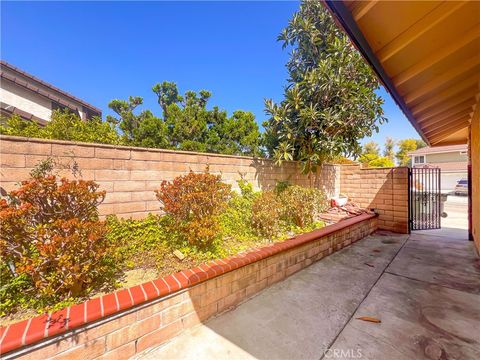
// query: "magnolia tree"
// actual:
[[329, 102]]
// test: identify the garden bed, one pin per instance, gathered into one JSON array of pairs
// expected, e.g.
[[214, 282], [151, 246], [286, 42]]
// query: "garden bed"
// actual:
[[128, 321], [56, 253]]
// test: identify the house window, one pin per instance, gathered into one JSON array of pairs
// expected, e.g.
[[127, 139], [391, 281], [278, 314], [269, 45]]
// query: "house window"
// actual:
[[419, 159], [57, 106]]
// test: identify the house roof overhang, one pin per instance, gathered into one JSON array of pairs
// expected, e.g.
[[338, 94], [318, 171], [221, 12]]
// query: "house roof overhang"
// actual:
[[426, 54], [32, 83]]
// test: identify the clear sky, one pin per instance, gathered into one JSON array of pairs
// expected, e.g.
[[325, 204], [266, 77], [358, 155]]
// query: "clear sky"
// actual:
[[100, 51]]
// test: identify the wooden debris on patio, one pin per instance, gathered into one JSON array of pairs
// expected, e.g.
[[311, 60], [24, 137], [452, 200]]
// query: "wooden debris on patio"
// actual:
[[369, 319], [336, 213]]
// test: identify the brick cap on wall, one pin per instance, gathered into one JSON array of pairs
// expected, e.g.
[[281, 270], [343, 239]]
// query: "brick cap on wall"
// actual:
[[30, 331]]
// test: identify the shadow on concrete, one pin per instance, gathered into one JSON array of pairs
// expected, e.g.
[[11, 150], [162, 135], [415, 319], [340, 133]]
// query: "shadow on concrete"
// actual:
[[297, 318]]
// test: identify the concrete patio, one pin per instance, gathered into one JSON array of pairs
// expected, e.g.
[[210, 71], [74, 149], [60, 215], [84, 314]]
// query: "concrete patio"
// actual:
[[425, 289]]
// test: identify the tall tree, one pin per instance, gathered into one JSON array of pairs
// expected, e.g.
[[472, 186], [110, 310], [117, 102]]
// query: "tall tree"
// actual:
[[371, 156], [238, 134], [330, 101], [388, 150], [404, 147], [371, 148], [191, 126], [144, 129], [127, 120]]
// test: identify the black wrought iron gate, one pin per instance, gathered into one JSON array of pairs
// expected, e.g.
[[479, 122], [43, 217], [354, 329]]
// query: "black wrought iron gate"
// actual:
[[424, 199]]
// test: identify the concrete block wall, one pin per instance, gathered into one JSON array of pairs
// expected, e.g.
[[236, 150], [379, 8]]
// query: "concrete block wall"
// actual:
[[130, 175], [129, 321], [382, 189]]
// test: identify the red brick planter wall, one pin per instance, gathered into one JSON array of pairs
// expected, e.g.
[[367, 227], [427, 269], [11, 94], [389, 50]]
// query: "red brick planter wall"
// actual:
[[118, 325]]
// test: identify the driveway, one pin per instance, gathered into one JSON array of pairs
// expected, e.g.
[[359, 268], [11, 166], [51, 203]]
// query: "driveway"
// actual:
[[456, 222], [424, 288]]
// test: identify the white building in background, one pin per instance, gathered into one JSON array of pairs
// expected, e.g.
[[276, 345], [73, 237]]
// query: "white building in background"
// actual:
[[452, 161], [33, 99]]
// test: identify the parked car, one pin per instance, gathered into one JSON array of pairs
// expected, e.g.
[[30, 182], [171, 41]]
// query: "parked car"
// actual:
[[462, 187]]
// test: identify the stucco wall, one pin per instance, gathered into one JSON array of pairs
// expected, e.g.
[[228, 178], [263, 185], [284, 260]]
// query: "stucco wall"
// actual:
[[25, 100], [130, 175], [475, 161], [447, 157], [29, 100]]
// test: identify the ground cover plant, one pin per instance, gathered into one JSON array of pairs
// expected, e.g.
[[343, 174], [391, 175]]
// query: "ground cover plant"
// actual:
[[55, 250]]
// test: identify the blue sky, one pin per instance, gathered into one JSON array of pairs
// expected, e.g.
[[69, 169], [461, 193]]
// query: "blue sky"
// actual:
[[99, 51]]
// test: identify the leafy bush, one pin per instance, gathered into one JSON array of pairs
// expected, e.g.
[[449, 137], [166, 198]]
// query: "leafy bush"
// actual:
[[194, 202], [51, 234], [64, 125], [373, 160], [266, 212], [236, 220], [300, 205]]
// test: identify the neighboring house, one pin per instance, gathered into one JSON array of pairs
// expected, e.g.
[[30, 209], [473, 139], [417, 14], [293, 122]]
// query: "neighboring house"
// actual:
[[452, 161], [34, 99]]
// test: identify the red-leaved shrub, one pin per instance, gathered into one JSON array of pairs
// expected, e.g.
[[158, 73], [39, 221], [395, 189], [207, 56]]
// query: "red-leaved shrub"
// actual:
[[194, 202], [50, 231]]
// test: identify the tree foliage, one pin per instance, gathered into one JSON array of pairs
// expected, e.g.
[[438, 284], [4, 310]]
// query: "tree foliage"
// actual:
[[330, 101], [388, 149], [187, 124], [371, 160], [371, 148], [371, 156], [404, 147]]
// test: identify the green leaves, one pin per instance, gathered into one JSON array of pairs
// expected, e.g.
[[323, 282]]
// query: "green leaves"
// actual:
[[329, 103], [405, 146], [187, 124], [64, 125]]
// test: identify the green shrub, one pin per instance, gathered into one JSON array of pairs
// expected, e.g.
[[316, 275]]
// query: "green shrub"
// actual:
[[64, 125], [16, 126], [266, 212], [236, 220], [52, 237], [194, 202], [301, 205]]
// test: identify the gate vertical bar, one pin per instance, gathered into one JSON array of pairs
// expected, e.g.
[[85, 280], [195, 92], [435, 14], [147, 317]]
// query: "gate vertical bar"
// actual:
[[430, 199], [423, 197], [415, 199], [409, 197], [439, 198]]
